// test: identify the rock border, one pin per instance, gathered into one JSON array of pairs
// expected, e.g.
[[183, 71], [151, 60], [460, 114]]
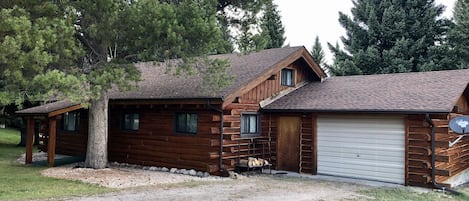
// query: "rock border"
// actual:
[[190, 172]]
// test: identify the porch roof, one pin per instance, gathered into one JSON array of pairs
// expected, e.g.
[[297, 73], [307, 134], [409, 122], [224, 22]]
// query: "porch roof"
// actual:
[[51, 109]]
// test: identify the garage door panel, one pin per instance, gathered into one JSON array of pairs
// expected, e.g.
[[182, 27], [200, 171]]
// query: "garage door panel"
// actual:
[[374, 157], [361, 140], [357, 168], [365, 134], [362, 147]]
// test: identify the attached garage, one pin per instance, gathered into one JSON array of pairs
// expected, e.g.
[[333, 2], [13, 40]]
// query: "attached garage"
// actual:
[[371, 147], [390, 127]]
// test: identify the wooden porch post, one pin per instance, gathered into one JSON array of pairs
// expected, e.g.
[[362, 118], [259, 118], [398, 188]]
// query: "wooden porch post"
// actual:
[[51, 142], [29, 140]]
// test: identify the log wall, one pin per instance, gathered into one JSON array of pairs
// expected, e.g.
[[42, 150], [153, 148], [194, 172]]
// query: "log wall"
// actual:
[[72, 143], [156, 143], [449, 160]]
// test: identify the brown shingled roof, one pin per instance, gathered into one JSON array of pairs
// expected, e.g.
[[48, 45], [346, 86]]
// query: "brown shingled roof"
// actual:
[[157, 84], [435, 91], [48, 108]]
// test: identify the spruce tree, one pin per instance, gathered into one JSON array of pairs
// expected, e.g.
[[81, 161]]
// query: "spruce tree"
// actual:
[[390, 36], [271, 24], [459, 34], [318, 53]]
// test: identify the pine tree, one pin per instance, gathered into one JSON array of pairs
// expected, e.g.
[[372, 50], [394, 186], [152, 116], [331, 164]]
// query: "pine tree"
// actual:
[[318, 53], [459, 34], [241, 24], [271, 24], [79, 50], [391, 36]]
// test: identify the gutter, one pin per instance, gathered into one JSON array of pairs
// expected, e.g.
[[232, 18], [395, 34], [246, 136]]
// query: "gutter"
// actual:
[[220, 151], [435, 185]]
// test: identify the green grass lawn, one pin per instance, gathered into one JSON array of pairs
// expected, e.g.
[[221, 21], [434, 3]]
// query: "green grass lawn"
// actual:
[[21, 182]]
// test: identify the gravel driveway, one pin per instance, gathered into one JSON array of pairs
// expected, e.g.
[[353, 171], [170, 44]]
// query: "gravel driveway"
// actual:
[[139, 184]]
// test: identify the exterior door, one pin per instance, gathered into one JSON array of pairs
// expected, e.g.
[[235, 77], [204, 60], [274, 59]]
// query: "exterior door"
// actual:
[[288, 144]]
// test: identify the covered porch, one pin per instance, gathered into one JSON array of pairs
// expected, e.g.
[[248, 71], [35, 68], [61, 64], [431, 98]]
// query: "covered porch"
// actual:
[[47, 115]]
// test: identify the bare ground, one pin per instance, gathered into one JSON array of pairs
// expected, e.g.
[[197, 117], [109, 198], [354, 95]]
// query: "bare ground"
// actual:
[[139, 184]]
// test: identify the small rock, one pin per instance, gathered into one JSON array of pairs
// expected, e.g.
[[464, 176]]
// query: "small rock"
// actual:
[[164, 169], [152, 168], [206, 174], [158, 168], [233, 175], [173, 170], [192, 172], [200, 174], [146, 168]]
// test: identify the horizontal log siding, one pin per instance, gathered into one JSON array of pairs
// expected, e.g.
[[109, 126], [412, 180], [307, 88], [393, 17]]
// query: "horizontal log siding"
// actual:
[[419, 151], [307, 162], [72, 143], [156, 143], [449, 160], [452, 160]]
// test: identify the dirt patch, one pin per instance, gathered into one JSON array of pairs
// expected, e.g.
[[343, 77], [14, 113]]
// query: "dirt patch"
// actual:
[[253, 188], [120, 177], [139, 184]]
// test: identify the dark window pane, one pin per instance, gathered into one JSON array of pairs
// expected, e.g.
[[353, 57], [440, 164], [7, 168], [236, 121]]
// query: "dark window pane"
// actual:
[[186, 123], [131, 121], [287, 77], [250, 124], [71, 121]]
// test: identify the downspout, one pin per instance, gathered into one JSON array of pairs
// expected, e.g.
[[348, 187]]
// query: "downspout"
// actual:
[[435, 185], [220, 151]]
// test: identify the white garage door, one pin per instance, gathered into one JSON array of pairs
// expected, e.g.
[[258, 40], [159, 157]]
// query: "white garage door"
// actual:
[[371, 147]]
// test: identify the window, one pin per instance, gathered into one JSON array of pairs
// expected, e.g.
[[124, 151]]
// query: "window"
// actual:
[[186, 123], [71, 121], [131, 121], [288, 78], [250, 124]]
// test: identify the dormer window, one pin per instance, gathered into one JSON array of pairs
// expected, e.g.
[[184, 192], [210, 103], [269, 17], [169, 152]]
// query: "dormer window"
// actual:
[[288, 77]]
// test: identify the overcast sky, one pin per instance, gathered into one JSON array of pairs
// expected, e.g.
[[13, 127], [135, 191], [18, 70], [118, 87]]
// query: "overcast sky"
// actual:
[[306, 19]]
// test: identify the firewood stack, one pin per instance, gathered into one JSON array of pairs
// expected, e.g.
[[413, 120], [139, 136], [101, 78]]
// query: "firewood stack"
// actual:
[[254, 162]]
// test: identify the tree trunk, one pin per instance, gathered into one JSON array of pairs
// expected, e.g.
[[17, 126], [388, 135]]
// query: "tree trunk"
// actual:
[[96, 153]]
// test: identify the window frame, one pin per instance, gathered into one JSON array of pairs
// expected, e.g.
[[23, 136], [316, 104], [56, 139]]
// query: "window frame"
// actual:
[[66, 119], [186, 130], [133, 116], [284, 79], [243, 126]]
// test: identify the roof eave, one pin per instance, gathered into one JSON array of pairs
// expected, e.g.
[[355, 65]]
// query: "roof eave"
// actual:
[[359, 111]]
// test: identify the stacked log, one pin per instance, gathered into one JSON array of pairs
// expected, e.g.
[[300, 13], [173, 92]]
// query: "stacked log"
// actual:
[[252, 162]]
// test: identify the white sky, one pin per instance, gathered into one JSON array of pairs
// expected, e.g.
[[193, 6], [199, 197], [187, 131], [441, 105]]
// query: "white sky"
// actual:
[[306, 19]]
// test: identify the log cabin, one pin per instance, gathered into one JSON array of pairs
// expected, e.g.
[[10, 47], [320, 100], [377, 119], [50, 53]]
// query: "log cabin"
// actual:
[[281, 107]]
